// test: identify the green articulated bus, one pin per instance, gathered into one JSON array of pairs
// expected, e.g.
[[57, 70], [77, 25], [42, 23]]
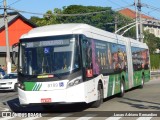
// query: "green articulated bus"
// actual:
[[73, 63]]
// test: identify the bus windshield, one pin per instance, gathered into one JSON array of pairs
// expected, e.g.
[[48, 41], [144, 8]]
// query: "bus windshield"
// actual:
[[53, 56]]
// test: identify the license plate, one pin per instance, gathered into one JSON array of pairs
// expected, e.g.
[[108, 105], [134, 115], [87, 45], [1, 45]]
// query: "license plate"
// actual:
[[46, 100]]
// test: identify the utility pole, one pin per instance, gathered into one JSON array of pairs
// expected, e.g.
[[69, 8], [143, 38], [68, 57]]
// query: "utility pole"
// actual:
[[137, 33], [140, 31], [116, 22], [8, 61]]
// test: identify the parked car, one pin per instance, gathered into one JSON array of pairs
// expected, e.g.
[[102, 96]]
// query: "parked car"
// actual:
[[2, 72], [9, 82]]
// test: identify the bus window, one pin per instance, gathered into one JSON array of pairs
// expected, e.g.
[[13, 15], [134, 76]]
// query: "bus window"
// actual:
[[122, 58], [50, 57], [137, 57], [87, 57]]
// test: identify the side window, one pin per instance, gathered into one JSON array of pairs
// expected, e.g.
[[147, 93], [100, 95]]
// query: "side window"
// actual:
[[100, 57], [100, 63], [137, 58], [87, 53], [87, 56], [134, 58], [122, 58], [145, 59], [115, 63], [110, 58]]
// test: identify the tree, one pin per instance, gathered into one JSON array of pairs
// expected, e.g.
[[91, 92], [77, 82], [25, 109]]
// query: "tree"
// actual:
[[34, 19], [98, 20], [151, 41], [48, 19], [158, 42], [104, 20]]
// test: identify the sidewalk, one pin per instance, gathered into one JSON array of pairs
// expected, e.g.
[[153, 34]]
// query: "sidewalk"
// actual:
[[155, 74]]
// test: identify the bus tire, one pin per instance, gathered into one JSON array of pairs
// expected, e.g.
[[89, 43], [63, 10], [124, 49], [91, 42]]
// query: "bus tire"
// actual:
[[122, 89], [15, 87], [97, 103], [142, 82]]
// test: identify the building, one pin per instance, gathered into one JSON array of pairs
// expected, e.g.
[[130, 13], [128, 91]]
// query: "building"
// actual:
[[17, 26], [149, 23]]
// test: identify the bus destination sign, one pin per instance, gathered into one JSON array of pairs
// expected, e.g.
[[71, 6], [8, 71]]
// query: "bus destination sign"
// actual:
[[47, 43]]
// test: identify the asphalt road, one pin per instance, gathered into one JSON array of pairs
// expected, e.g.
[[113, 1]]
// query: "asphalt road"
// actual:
[[134, 101]]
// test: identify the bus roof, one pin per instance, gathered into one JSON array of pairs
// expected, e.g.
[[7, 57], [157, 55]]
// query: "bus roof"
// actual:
[[56, 29], [79, 28], [64, 29]]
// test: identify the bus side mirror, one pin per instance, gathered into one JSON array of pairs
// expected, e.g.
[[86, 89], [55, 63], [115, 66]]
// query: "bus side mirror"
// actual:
[[14, 53]]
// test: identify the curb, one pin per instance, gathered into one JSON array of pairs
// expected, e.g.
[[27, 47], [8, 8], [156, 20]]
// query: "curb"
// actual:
[[155, 77]]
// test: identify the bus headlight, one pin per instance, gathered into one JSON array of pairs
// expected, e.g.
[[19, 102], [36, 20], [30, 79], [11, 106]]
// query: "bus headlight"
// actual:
[[21, 86], [73, 82]]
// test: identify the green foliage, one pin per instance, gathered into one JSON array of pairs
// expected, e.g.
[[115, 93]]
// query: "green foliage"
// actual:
[[103, 20], [151, 41], [99, 20], [131, 33], [154, 60], [48, 19], [34, 19]]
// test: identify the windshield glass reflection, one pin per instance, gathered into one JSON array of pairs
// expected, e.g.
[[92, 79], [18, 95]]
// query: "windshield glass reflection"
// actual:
[[49, 57]]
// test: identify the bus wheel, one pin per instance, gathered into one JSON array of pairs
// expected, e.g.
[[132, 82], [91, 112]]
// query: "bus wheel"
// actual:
[[142, 82], [122, 89], [15, 87], [97, 103]]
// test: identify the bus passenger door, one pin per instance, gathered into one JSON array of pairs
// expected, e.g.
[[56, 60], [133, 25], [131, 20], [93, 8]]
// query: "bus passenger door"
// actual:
[[89, 80]]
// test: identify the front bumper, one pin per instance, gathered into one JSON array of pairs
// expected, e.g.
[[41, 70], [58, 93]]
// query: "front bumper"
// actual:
[[7, 87], [73, 94]]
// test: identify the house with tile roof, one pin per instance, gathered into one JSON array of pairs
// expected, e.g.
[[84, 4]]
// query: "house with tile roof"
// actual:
[[151, 24], [17, 26]]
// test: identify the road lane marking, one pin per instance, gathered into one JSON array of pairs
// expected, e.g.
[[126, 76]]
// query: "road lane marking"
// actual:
[[62, 116], [113, 118], [5, 109], [31, 118], [144, 118], [7, 118], [87, 117]]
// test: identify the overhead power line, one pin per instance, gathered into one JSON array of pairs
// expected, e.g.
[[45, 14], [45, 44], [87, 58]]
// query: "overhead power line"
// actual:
[[114, 3], [152, 7], [126, 2], [67, 15], [14, 2], [144, 13]]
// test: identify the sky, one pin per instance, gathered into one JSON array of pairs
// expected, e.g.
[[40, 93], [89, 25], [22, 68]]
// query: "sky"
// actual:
[[150, 7]]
